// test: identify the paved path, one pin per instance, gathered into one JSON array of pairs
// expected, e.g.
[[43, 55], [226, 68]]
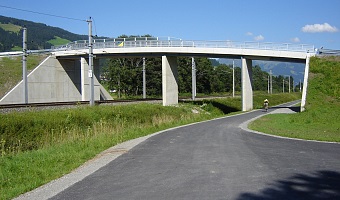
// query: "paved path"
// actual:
[[214, 160]]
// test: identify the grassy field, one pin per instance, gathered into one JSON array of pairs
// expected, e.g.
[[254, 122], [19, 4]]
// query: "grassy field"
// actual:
[[58, 41], [11, 71], [321, 119], [39, 146], [11, 27]]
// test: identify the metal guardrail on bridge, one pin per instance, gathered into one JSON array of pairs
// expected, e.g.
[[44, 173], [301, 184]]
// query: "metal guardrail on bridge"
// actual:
[[172, 42], [175, 42], [328, 52]]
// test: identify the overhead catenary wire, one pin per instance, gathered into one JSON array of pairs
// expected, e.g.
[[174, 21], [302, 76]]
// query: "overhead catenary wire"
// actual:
[[95, 27], [41, 13]]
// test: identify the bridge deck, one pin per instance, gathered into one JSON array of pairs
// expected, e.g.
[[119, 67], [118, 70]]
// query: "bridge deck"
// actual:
[[176, 47]]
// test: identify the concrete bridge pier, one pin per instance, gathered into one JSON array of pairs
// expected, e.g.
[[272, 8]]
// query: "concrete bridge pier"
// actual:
[[247, 84], [169, 80]]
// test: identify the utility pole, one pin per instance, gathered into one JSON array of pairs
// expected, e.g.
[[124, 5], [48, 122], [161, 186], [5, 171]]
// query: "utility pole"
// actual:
[[233, 78], [268, 84], [193, 74], [90, 72], [271, 82], [300, 85], [283, 85], [24, 64], [144, 80], [289, 84]]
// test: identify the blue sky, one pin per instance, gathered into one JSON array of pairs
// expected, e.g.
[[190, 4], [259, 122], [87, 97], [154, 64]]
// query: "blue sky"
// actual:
[[281, 21]]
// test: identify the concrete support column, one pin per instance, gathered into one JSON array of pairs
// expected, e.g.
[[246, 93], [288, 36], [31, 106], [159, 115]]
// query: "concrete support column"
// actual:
[[305, 84], [169, 80], [247, 84], [83, 78], [193, 75]]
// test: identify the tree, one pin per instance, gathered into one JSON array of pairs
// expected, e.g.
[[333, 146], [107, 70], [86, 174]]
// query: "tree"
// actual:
[[222, 79], [203, 75], [260, 79]]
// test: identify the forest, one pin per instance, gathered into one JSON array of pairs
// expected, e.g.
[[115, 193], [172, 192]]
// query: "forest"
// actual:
[[38, 34]]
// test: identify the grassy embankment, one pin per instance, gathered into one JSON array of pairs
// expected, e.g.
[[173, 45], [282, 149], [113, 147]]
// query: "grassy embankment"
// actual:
[[39, 146], [321, 120], [11, 71]]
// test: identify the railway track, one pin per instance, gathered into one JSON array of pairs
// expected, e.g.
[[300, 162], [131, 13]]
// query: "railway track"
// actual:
[[71, 103], [10, 107]]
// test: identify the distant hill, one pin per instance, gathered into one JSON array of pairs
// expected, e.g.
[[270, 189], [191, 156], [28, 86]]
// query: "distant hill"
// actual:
[[39, 36]]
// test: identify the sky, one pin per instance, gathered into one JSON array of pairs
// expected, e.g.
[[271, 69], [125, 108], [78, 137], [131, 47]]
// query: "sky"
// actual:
[[312, 22]]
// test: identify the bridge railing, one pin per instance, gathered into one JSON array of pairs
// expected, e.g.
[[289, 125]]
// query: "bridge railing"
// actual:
[[175, 42]]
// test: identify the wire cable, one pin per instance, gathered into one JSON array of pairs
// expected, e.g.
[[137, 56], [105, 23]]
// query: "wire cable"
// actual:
[[95, 27], [40, 13]]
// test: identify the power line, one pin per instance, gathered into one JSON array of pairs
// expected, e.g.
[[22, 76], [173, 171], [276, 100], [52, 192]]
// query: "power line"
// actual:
[[95, 27], [40, 13]]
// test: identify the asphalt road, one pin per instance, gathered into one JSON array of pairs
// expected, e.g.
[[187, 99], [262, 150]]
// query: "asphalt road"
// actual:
[[216, 160]]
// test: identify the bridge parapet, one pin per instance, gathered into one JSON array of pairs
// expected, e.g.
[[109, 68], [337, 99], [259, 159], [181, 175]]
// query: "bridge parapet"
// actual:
[[175, 42]]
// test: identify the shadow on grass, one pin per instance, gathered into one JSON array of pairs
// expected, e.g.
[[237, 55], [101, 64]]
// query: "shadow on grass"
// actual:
[[319, 185], [224, 108]]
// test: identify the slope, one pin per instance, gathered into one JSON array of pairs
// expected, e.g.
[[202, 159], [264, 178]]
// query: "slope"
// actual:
[[321, 119]]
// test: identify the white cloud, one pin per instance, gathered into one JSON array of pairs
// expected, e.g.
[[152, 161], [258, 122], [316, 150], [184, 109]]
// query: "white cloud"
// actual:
[[319, 28], [296, 39], [249, 33], [259, 38]]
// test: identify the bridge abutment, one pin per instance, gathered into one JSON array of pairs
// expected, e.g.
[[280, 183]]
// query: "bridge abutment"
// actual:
[[57, 80], [169, 80], [247, 84], [85, 81]]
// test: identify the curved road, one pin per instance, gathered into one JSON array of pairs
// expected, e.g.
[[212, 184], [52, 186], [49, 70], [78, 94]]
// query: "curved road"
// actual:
[[216, 160]]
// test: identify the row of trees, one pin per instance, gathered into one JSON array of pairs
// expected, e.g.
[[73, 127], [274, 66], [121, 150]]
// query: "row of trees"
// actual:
[[126, 77]]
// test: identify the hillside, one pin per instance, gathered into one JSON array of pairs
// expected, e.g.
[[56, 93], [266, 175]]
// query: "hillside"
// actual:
[[321, 119], [41, 36]]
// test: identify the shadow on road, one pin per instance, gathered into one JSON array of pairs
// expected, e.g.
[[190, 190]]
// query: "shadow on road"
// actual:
[[320, 185], [293, 108]]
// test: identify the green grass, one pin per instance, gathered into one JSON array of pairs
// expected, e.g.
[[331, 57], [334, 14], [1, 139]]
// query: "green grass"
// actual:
[[11, 71], [321, 119], [11, 27], [40, 146], [16, 48], [58, 41]]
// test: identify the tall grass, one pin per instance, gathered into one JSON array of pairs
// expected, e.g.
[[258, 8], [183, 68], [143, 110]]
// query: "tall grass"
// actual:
[[321, 119]]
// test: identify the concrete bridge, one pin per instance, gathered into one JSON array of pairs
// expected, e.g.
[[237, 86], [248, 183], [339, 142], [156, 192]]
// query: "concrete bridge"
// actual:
[[65, 74]]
